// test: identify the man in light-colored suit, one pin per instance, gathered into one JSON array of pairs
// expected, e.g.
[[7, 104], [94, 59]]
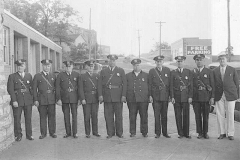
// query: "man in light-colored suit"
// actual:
[[226, 93]]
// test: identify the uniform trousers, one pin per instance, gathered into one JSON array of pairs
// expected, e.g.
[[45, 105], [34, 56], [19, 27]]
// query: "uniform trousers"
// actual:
[[182, 118], [47, 112], [225, 107], [90, 112], [160, 113], [201, 110], [17, 112], [142, 108], [66, 107], [113, 126]]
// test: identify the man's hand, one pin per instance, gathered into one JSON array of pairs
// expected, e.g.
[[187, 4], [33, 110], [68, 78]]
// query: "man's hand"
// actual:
[[150, 99], [15, 104], [59, 102], [36, 103], [173, 101], [100, 99], [79, 103], [124, 99], [211, 102], [190, 100], [84, 102]]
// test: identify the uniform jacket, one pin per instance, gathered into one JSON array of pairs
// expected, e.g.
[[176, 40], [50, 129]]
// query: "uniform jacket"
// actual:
[[229, 85], [64, 83], [158, 90], [41, 88], [14, 87], [88, 88], [177, 80], [137, 87], [118, 79]]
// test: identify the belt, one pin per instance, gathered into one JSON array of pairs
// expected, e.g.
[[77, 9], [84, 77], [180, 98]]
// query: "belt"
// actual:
[[181, 88], [159, 87], [93, 92], [21, 90], [113, 86], [200, 88], [70, 90], [47, 91]]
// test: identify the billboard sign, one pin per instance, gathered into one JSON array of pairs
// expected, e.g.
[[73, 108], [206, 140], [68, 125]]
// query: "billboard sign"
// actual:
[[193, 50]]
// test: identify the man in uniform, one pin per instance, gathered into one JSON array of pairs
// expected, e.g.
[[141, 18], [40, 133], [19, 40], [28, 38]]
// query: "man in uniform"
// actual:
[[159, 84], [226, 93], [67, 97], [181, 93], [203, 95], [112, 91], [19, 87], [88, 86], [137, 98], [44, 99]]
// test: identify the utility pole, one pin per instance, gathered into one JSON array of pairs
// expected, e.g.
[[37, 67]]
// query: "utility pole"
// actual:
[[160, 52], [139, 42], [229, 49], [90, 36]]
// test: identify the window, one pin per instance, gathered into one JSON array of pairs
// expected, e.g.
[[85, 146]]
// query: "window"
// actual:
[[6, 46]]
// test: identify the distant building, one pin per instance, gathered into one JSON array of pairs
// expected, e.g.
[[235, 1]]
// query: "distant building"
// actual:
[[189, 47], [104, 50]]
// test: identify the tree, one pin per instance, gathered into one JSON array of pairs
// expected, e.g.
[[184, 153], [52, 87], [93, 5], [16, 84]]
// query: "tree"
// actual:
[[164, 45], [79, 53]]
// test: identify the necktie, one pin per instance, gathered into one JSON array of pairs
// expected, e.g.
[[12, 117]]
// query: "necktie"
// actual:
[[180, 70], [160, 69], [22, 75], [222, 73]]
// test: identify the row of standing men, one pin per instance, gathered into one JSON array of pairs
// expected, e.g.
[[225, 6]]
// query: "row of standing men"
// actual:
[[200, 87]]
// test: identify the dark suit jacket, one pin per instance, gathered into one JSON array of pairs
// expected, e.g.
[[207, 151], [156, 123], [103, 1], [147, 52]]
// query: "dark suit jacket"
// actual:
[[229, 85], [14, 87], [137, 87], [63, 83], [86, 87], [186, 77], [40, 87], [118, 79], [155, 82], [203, 79]]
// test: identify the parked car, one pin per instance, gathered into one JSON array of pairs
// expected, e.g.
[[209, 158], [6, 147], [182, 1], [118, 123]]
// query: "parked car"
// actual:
[[80, 67], [103, 62], [236, 65]]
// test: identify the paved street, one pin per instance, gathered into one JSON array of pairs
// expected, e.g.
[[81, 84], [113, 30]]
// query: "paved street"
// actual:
[[127, 148]]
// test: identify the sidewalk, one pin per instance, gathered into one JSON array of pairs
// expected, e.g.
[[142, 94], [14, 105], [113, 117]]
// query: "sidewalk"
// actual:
[[127, 148]]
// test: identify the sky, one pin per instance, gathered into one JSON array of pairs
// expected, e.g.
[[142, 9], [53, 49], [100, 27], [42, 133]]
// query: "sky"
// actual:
[[117, 22]]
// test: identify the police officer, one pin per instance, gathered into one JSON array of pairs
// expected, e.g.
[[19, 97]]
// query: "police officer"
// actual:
[[88, 86], [67, 97], [137, 98], [19, 86], [203, 95], [159, 82], [112, 92], [44, 99], [181, 93]]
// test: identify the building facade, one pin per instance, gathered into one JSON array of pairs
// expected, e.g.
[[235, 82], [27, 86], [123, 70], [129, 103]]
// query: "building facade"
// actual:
[[189, 47]]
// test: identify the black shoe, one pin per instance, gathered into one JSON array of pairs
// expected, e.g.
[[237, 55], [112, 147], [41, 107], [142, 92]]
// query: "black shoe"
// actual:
[[132, 135], [97, 135], [200, 136], [18, 138], [75, 136], [42, 136], [167, 136], [189, 137], [230, 137], [157, 136], [180, 136], [222, 136], [120, 136], [145, 135], [88, 136], [30, 138], [206, 136], [66, 136], [53, 135], [108, 137]]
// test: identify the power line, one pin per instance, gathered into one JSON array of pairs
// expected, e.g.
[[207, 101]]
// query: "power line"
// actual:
[[160, 53]]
